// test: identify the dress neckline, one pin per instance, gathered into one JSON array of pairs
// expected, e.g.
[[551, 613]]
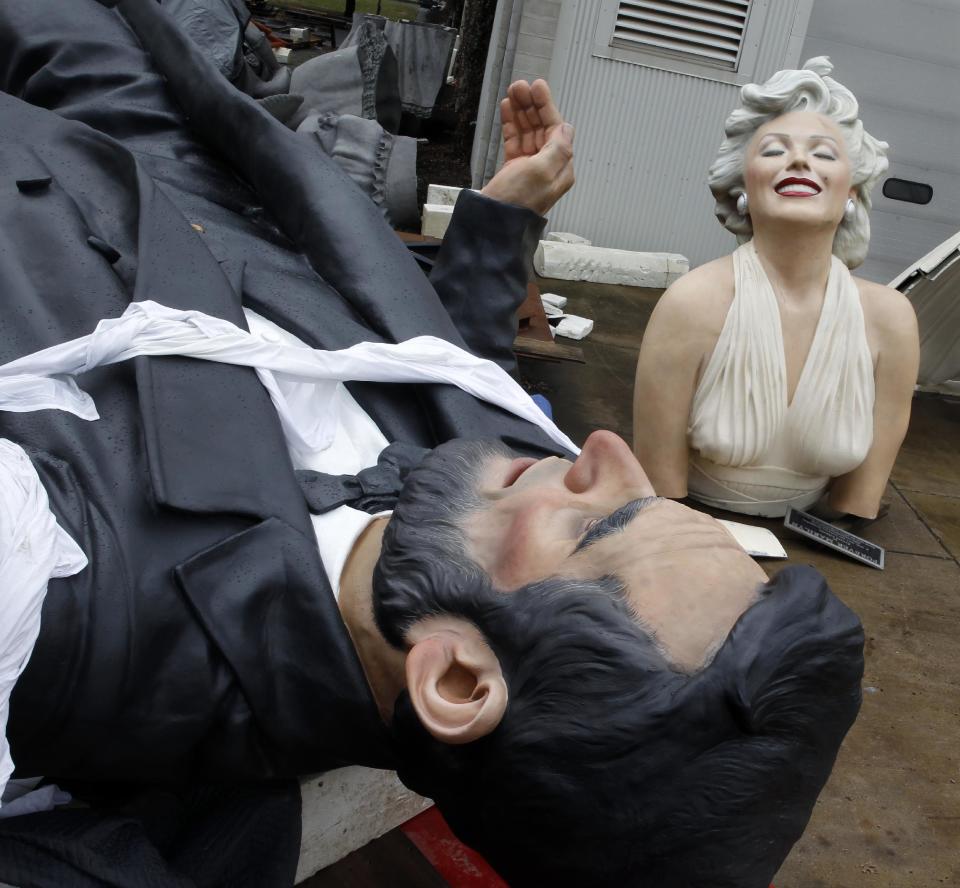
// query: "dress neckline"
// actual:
[[829, 294]]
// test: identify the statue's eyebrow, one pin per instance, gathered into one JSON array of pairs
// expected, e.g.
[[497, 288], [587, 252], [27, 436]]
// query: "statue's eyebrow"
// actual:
[[817, 137], [615, 521]]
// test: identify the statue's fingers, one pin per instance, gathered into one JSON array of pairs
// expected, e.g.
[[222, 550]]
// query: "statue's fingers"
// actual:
[[508, 120], [506, 114], [524, 108], [529, 141], [509, 131], [557, 155], [526, 132], [519, 93], [542, 99]]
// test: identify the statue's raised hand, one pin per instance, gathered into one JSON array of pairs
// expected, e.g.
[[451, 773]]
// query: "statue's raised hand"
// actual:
[[538, 149]]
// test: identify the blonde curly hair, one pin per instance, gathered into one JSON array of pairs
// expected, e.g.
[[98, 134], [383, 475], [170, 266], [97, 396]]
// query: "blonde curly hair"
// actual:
[[807, 89]]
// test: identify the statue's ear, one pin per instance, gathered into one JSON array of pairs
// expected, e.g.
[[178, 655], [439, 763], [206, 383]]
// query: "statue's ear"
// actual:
[[454, 680]]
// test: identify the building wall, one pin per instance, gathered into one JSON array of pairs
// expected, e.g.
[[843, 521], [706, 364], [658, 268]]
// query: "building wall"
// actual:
[[535, 43], [900, 58], [645, 136], [521, 48]]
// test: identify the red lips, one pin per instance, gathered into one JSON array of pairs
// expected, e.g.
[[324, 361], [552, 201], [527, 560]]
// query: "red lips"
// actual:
[[782, 186]]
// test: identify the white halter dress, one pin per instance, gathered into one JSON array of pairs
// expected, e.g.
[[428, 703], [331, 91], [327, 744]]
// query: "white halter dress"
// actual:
[[752, 452]]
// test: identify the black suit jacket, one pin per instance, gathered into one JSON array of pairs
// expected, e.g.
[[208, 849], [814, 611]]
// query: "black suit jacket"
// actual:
[[203, 638]]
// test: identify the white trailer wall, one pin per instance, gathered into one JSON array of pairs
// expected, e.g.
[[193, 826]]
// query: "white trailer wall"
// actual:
[[901, 58], [646, 136]]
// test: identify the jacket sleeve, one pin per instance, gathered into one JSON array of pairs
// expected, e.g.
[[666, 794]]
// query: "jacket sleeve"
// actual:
[[482, 269]]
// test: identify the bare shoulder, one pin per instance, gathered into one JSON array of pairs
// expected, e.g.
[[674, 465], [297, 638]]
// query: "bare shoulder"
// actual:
[[887, 313], [700, 299]]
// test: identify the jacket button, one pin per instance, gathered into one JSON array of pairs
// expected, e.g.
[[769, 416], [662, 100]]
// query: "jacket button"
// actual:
[[111, 254], [34, 183]]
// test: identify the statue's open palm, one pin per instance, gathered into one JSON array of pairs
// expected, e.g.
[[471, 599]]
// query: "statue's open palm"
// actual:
[[538, 149]]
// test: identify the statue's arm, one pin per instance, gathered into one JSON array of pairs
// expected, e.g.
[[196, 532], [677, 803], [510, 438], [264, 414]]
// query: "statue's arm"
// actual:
[[898, 359], [670, 356], [481, 270]]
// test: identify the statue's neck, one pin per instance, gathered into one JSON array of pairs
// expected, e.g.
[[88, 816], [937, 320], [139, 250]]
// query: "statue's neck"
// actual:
[[796, 262], [382, 664]]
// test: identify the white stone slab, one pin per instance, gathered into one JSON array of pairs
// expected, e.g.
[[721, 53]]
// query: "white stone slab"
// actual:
[[554, 299], [435, 220], [551, 311], [445, 195], [602, 265], [565, 237], [345, 809], [574, 327], [677, 266]]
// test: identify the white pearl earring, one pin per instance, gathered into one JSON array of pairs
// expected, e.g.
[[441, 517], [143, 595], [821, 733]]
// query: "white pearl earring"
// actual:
[[742, 203], [849, 209]]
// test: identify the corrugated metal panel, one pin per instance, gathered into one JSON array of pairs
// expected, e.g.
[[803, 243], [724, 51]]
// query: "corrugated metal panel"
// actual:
[[699, 29], [645, 139], [899, 58], [778, 45]]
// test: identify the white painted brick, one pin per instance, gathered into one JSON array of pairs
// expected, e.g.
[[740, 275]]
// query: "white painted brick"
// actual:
[[282, 54], [576, 262], [299, 35], [534, 47], [538, 26], [566, 237], [435, 220], [444, 195], [344, 809]]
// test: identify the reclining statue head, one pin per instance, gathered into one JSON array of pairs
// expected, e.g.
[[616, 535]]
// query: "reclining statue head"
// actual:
[[666, 717], [809, 89]]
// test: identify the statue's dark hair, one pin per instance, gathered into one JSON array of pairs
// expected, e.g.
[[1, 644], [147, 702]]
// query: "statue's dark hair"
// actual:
[[610, 768]]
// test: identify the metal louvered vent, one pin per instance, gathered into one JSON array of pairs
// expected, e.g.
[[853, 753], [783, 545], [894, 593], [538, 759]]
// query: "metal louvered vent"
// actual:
[[708, 31]]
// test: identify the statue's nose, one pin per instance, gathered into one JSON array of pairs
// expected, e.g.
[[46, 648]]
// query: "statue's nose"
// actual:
[[607, 462]]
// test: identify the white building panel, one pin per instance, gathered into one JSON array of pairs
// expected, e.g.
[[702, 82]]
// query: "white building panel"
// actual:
[[900, 58], [646, 135]]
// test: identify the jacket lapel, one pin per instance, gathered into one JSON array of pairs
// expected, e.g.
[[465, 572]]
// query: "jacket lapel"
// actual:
[[212, 436]]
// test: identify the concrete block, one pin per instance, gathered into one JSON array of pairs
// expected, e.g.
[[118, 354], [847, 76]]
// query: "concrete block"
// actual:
[[554, 301], [435, 220], [574, 327], [444, 195], [677, 266], [299, 35], [578, 262], [345, 809], [565, 237], [282, 54]]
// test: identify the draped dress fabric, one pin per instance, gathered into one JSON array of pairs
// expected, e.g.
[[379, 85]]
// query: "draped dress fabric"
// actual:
[[751, 451]]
